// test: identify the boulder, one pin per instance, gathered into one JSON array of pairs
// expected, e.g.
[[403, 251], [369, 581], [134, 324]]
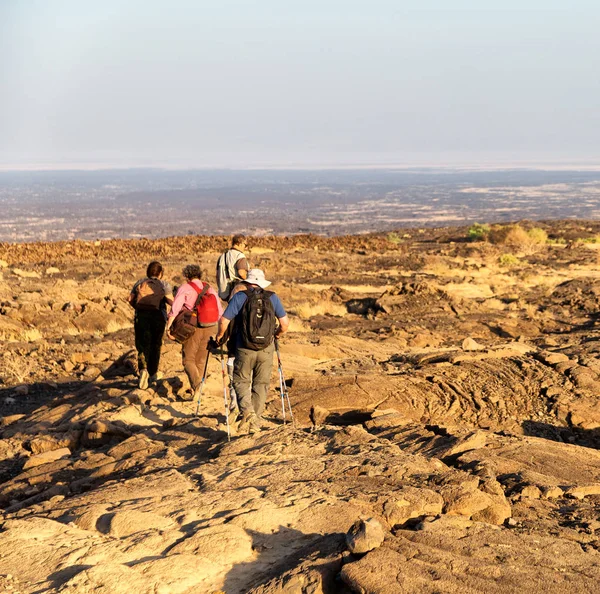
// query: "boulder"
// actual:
[[411, 502], [47, 443], [364, 536], [470, 344]]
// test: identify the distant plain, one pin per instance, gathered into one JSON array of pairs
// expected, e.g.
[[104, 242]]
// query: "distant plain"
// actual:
[[153, 203]]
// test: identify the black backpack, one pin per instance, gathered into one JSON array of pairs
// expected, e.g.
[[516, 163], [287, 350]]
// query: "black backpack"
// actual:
[[258, 321]]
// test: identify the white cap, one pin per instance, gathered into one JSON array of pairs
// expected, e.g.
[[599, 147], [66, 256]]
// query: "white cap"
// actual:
[[257, 277]]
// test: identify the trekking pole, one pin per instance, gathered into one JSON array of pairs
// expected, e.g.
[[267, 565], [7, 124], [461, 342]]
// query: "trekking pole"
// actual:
[[202, 382], [225, 400], [281, 389], [284, 391]]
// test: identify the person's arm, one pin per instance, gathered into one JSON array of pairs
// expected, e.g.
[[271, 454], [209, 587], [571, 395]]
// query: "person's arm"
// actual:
[[178, 303], [168, 293], [233, 309], [279, 310], [131, 299], [223, 325], [241, 267], [284, 324]]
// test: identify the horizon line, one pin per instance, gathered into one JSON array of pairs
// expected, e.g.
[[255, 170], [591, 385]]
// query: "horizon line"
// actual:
[[497, 165]]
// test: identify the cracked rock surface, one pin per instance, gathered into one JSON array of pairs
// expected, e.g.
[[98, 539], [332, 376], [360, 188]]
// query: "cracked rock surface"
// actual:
[[446, 416]]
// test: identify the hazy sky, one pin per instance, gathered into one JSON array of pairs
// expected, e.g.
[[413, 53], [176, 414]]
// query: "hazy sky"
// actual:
[[307, 82]]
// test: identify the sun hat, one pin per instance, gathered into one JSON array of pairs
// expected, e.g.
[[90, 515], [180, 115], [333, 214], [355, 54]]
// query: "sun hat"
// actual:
[[257, 277]]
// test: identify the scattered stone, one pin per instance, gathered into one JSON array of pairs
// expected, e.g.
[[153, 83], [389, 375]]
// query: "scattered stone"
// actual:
[[531, 492], [68, 366], [552, 492], [26, 273], [10, 419], [583, 491], [318, 414], [45, 457], [22, 390], [85, 357], [91, 372], [48, 443]]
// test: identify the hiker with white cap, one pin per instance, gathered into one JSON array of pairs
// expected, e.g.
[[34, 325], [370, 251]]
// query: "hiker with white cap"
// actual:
[[256, 313]]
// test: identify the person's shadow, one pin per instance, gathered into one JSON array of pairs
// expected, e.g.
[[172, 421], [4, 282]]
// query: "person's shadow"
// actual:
[[286, 550], [589, 438]]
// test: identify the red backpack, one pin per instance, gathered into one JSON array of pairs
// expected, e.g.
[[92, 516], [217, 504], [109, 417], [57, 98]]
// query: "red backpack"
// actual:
[[207, 309]]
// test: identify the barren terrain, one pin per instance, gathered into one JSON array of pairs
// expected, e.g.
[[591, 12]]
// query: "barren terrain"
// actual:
[[444, 393], [154, 203]]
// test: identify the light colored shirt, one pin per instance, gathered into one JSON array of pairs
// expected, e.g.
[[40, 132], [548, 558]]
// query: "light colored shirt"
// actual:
[[186, 296]]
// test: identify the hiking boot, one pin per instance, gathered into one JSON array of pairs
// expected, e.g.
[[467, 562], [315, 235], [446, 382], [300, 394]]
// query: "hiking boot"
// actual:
[[254, 425], [244, 425], [187, 396], [234, 413], [156, 377], [144, 379]]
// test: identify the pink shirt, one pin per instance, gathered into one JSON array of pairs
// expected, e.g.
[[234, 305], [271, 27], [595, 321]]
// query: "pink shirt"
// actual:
[[187, 296]]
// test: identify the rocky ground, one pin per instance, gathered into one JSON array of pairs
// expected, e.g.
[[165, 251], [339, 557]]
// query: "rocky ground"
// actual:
[[447, 412]]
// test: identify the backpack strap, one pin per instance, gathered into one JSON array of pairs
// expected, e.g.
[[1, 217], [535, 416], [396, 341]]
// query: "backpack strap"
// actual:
[[201, 292], [227, 275]]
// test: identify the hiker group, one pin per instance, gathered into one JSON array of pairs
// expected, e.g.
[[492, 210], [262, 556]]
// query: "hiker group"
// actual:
[[241, 318]]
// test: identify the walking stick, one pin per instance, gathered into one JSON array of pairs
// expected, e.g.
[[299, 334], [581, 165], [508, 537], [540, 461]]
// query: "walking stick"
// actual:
[[202, 382], [225, 399], [284, 392]]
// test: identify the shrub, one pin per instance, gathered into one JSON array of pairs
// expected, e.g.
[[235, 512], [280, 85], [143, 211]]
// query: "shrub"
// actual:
[[508, 260], [514, 236], [478, 232], [393, 237], [538, 236]]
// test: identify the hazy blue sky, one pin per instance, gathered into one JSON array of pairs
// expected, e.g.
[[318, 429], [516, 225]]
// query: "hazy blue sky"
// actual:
[[307, 82]]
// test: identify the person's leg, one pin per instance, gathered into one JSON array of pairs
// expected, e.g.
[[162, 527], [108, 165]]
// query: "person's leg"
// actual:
[[141, 340], [189, 350], [262, 378], [242, 379], [157, 330], [202, 353]]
